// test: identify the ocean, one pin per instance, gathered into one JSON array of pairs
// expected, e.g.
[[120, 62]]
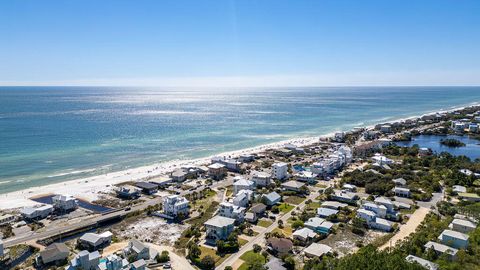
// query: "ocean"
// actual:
[[54, 134]]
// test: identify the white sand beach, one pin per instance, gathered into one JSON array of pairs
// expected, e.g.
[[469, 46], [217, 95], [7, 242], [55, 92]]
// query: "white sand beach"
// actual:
[[90, 188]]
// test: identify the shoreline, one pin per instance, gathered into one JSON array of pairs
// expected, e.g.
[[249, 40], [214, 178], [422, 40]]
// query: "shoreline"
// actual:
[[90, 188]]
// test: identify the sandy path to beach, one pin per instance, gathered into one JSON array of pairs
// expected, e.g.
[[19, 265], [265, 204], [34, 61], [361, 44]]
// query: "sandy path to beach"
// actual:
[[408, 228]]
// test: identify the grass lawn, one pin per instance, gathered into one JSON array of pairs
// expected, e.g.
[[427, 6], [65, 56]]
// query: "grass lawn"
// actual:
[[294, 200], [213, 253], [285, 207], [313, 206], [264, 223], [242, 241], [250, 257], [287, 231]]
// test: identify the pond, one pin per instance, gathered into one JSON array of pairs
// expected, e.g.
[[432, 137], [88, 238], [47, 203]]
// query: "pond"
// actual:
[[471, 148]]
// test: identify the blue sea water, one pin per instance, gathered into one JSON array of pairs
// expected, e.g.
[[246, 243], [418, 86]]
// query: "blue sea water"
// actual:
[[54, 134]]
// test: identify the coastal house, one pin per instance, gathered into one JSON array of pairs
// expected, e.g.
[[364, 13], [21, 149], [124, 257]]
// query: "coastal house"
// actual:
[[401, 192], [344, 196], [261, 179], [349, 187], [85, 260], [113, 262], [324, 212], [179, 175], [243, 198], [385, 202], [424, 151], [54, 254], [280, 170], [162, 181], [386, 128], [316, 250], [373, 221], [241, 183], [293, 186], [305, 176], [246, 158], [231, 164], [280, 246], [283, 152], [458, 189], [319, 225], [6, 219], [462, 225], [230, 210], [64, 203], [379, 159], [379, 210], [147, 188], [127, 192], [472, 197], [304, 235], [138, 251], [454, 239], [93, 241], [217, 171], [256, 211], [271, 198], [399, 182], [441, 249], [333, 205], [425, 263], [36, 213], [218, 228], [175, 205]]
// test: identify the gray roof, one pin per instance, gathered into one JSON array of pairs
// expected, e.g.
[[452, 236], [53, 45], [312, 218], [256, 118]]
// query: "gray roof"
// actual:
[[317, 249], [425, 263], [137, 246], [146, 185], [139, 263], [326, 212], [465, 223], [273, 196], [219, 221], [293, 184], [454, 234], [52, 251], [441, 248], [275, 264]]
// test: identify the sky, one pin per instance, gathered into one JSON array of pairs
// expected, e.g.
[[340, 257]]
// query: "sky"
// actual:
[[239, 43]]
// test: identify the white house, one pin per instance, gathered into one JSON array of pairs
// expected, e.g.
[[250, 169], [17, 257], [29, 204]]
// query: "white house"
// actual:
[[271, 198], [400, 182], [217, 171], [304, 234], [401, 192], [454, 239], [305, 176], [37, 212], [317, 250], [85, 260], [293, 186], [243, 197], [280, 170], [261, 179], [349, 187], [458, 189], [379, 210], [218, 228], [6, 219], [324, 212], [64, 203], [93, 241], [344, 196], [462, 225], [373, 221], [334, 205], [175, 205], [230, 210], [242, 184], [385, 202], [139, 251], [441, 248], [425, 263], [380, 160]]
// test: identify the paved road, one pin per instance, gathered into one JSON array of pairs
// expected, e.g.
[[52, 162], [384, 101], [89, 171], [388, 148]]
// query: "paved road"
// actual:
[[91, 221], [260, 237]]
